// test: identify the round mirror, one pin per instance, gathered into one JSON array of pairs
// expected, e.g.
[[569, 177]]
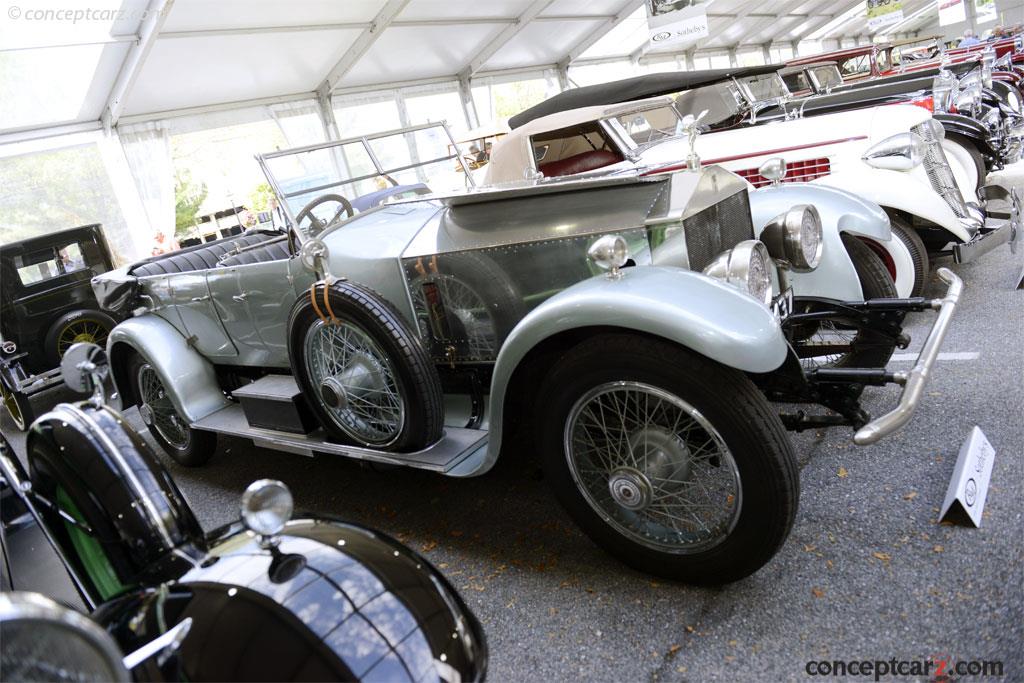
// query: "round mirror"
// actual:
[[312, 253], [80, 364]]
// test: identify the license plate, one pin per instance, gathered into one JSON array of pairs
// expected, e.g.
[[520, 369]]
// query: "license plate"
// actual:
[[782, 305]]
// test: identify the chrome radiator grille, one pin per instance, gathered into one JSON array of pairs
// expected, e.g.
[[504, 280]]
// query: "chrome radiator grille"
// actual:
[[717, 228], [937, 167]]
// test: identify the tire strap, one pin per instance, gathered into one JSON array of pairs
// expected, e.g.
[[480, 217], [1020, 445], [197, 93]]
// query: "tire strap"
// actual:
[[327, 304], [312, 300]]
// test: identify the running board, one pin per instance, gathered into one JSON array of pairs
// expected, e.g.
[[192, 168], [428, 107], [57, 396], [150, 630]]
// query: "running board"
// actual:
[[455, 445]]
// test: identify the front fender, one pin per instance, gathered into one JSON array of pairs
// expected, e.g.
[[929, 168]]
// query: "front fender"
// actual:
[[896, 190], [835, 277], [704, 315], [189, 378]]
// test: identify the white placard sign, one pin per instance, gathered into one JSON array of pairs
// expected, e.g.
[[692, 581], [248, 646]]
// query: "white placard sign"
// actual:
[[676, 22], [965, 497]]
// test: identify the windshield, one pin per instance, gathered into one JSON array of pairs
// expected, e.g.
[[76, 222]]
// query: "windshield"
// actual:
[[763, 88], [721, 100], [650, 126], [321, 185], [826, 77]]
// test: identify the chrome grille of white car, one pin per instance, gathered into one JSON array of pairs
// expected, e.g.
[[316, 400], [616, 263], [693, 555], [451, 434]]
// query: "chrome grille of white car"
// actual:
[[937, 167], [717, 228]]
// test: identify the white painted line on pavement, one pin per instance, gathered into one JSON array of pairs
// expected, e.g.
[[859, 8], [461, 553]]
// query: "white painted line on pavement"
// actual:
[[952, 355]]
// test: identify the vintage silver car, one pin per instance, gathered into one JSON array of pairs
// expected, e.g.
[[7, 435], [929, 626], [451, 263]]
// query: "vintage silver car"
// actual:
[[627, 327]]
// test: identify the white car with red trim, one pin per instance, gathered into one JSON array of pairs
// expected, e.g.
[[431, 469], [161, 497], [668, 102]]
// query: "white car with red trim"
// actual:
[[891, 155]]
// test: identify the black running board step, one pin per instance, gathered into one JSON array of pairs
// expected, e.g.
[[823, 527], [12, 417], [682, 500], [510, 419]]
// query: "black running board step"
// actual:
[[455, 445], [275, 402]]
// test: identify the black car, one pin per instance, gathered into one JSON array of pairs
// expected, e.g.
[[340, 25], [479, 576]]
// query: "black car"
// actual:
[[46, 305], [267, 598]]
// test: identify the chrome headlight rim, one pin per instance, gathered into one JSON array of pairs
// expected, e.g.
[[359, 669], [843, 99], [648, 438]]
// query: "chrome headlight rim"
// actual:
[[787, 235], [747, 267], [900, 152]]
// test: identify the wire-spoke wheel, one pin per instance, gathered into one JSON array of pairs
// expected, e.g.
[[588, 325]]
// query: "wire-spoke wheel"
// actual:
[[171, 430], [671, 462], [653, 467], [78, 326], [832, 344], [17, 406], [363, 370], [358, 384]]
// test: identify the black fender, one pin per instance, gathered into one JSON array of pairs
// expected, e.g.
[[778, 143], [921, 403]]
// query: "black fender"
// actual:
[[972, 129], [132, 519]]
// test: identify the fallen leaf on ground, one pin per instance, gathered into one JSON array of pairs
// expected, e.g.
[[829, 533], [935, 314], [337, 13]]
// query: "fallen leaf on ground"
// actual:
[[910, 496], [428, 546], [938, 549], [842, 473], [817, 592], [884, 557]]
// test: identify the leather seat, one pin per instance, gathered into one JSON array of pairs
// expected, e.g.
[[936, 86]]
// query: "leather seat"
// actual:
[[580, 163], [276, 250], [201, 257]]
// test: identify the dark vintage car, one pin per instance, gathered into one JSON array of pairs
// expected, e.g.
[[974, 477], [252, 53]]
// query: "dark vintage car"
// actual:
[[266, 598], [46, 305]]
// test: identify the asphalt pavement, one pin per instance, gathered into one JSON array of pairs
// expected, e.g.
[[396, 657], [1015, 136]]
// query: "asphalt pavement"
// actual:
[[867, 573]]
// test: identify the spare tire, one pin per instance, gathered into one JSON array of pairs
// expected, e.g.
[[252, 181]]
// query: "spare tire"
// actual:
[[365, 373], [130, 515]]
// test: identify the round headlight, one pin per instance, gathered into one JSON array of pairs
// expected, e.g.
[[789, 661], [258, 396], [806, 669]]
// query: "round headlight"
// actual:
[[747, 267], [794, 238], [609, 252], [266, 507], [901, 152]]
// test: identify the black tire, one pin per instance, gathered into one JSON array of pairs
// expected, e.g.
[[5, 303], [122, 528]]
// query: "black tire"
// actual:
[[476, 335], [415, 377], [196, 447], [751, 430], [18, 407], [975, 154], [872, 350], [95, 326], [902, 231]]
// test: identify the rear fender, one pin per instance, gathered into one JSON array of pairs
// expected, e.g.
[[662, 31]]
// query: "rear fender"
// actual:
[[900, 191], [707, 316], [189, 378]]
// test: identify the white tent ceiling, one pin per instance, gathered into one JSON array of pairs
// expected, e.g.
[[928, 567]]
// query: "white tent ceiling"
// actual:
[[169, 55]]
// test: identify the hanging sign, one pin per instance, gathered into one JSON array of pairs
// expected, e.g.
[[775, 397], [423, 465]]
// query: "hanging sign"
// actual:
[[676, 22], [985, 10], [951, 12], [883, 13]]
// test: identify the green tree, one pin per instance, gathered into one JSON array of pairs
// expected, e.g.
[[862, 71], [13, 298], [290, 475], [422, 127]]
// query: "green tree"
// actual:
[[188, 197]]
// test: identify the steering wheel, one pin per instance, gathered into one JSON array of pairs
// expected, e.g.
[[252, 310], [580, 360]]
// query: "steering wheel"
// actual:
[[316, 225]]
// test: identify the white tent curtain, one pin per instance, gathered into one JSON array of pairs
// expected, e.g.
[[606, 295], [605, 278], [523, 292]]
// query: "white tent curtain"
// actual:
[[147, 147]]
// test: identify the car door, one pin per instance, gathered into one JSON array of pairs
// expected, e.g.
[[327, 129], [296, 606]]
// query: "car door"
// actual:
[[253, 301], [199, 318]]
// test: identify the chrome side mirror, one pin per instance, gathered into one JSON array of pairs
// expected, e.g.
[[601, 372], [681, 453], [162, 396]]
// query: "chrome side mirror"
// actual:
[[84, 369]]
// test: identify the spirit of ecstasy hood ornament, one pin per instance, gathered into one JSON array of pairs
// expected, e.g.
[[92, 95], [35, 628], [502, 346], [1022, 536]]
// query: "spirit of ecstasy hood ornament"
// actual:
[[691, 126]]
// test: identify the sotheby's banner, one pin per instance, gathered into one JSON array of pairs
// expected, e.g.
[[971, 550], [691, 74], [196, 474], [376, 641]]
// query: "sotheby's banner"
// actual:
[[676, 22], [985, 10], [883, 13], [951, 12]]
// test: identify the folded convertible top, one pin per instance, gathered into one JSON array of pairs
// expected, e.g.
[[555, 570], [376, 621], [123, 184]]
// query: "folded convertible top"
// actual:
[[636, 88]]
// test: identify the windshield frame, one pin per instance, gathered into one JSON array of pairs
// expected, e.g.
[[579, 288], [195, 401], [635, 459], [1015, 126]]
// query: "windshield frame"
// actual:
[[380, 170]]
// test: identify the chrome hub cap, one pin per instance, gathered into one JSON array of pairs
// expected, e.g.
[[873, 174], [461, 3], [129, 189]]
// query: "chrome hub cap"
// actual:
[[358, 386], [630, 489], [653, 467]]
